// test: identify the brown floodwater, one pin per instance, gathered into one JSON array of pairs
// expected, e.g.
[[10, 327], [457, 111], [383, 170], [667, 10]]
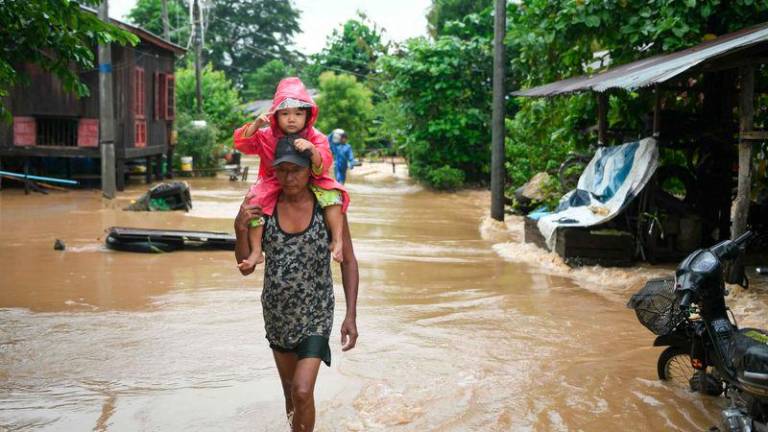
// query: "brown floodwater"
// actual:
[[462, 328]]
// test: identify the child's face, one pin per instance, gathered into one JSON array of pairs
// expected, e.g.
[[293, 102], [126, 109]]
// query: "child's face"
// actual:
[[291, 120]]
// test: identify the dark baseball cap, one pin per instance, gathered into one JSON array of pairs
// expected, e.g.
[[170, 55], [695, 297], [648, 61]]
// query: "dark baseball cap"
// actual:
[[286, 152]]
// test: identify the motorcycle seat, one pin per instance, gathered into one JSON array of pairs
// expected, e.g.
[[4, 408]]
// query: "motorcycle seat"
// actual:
[[749, 353]]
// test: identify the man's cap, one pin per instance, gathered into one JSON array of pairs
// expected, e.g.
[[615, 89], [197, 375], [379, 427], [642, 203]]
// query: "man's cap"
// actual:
[[286, 152], [293, 103]]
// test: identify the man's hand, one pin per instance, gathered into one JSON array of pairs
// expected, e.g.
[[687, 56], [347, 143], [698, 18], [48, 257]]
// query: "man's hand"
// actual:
[[348, 334], [247, 213]]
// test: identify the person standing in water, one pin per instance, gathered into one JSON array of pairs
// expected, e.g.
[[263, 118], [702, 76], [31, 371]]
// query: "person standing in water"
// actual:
[[297, 299], [343, 157]]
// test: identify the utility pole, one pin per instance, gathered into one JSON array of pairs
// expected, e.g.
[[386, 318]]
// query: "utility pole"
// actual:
[[166, 30], [106, 113], [497, 121], [198, 54]]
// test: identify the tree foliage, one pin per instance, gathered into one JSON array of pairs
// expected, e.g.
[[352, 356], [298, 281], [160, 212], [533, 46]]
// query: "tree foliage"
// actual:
[[352, 50], [54, 34], [345, 103], [221, 103], [262, 83], [243, 35], [443, 12], [444, 89], [148, 14], [240, 35]]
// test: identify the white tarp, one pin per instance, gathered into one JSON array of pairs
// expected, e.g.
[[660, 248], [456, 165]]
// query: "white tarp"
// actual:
[[611, 180]]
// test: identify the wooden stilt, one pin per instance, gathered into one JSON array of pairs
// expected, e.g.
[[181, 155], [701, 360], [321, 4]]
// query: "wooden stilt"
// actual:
[[120, 174], [746, 117], [148, 172]]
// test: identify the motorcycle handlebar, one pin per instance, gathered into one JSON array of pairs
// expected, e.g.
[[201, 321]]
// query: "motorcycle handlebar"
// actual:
[[742, 239], [685, 302]]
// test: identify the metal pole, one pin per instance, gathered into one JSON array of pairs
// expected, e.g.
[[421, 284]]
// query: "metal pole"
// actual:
[[746, 114], [198, 55], [106, 113], [497, 120], [166, 31]]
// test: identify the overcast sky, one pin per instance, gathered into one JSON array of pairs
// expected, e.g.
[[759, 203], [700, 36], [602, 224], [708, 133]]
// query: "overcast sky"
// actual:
[[400, 18]]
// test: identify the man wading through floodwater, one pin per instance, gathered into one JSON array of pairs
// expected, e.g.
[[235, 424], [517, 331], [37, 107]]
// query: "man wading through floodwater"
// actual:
[[297, 298]]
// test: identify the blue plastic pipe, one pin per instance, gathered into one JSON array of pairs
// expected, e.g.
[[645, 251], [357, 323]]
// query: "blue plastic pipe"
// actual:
[[33, 177]]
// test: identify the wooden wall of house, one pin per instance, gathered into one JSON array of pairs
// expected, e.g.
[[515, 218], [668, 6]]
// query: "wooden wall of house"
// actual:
[[153, 61], [45, 97]]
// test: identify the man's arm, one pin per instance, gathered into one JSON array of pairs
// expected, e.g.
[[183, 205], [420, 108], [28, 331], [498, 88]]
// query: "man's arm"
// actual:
[[350, 278], [242, 245]]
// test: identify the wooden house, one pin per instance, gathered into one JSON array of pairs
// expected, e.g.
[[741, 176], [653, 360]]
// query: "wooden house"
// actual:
[[49, 122]]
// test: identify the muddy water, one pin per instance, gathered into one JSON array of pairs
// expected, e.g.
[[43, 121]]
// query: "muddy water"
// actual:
[[462, 327]]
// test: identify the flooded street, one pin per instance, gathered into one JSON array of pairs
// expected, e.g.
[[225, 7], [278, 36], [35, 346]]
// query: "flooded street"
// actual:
[[462, 328]]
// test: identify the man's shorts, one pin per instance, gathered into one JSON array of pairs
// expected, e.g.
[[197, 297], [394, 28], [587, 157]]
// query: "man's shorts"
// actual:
[[314, 346]]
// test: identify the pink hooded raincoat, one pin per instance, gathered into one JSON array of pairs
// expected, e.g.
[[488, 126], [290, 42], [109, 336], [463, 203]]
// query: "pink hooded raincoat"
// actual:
[[263, 143]]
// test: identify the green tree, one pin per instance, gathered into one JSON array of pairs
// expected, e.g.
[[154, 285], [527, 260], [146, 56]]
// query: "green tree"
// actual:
[[557, 39], [442, 12], [262, 83], [345, 103], [444, 89], [54, 34], [221, 103], [147, 14], [243, 35], [353, 50]]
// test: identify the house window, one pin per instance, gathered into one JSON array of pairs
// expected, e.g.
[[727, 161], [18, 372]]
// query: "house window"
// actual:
[[170, 97], [57, 132], [140, 133], [139, 93]]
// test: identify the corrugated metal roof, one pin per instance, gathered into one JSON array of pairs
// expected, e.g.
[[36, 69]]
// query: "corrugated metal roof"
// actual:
[[657, 69], [261, 106]]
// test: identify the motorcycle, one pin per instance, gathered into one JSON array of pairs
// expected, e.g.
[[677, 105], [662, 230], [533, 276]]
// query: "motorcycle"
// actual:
[[705, 350]]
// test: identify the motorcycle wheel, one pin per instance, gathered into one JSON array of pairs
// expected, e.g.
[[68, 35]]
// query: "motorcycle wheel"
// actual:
[[674, 366]]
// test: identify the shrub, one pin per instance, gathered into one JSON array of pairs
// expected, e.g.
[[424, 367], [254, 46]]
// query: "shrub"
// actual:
[[445, 178], [198, 142]]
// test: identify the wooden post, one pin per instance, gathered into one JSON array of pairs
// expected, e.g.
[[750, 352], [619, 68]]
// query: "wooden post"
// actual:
[[657, 111], [740, 209], [159, 168], [497, 120], [106, 113], [602, 119], [26, 174], [148, 168], [120, 174]]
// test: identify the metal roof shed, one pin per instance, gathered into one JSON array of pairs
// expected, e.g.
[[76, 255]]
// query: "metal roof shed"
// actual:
[[740, 50], [657, 69]]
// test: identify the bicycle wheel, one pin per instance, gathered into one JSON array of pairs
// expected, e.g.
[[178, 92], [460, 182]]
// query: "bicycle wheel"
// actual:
[[674, 366]]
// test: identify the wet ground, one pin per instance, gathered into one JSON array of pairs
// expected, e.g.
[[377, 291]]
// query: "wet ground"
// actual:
[[462, 327]]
